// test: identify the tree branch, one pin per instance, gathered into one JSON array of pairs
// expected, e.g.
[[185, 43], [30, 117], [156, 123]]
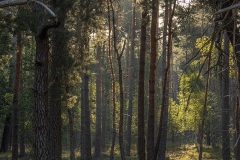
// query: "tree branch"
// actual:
[[227, 8], [8, 3]]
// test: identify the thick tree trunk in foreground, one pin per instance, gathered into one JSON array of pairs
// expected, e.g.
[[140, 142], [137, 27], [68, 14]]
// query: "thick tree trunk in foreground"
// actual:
[[141, 86], [16, 98], [41, 128]]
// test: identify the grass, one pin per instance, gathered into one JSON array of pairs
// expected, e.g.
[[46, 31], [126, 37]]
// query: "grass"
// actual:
[[174, 152]]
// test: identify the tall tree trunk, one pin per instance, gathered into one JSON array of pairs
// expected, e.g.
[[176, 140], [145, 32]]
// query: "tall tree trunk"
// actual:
[[16, 97], [104, 103], [131, 83], [204, 109], [85, 120], [119, 56], [59, 55], [41, 118], [41, 128], [226, 105], [234, 37], [98, 105], [141, 86], [165, 93], [110, 58], [152, 81], [162, 134]]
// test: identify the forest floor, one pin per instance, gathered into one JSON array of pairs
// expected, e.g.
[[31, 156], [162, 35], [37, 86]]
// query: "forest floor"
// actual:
[[183, 152]]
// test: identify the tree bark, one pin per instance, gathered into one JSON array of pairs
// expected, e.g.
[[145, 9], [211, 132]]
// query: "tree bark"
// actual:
[[141, 81], [152, 81], [59, 56], [16, 97]]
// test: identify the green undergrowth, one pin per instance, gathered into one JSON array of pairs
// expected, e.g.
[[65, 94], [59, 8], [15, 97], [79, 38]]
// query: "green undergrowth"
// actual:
[[174, 152]]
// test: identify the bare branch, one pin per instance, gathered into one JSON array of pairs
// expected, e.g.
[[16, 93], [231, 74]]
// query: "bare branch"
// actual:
[[8, 3], [227, 8]]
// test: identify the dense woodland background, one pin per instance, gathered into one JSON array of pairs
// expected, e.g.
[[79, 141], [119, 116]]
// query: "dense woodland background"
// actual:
[[119, 79]]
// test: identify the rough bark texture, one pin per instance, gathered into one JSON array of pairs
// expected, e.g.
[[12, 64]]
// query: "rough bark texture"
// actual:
[[85, 120], [152, 81], [131, 83], [98, 135], [141, 117], [16, 98], [41, 128]]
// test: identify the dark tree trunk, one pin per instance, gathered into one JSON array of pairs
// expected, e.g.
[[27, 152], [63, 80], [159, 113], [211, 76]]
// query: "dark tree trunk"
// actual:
[[98, 135], [59, 54], [85, 120], [131, 83], [152, 83], [22, 135], [234, 37], [167, 54], [6, 133], [71, 134], [141, 110], [41, 128], [16, 98], [225, 105], [110, 58]]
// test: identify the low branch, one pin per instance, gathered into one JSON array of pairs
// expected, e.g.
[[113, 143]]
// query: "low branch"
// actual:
[[8, 3], [227, 8]]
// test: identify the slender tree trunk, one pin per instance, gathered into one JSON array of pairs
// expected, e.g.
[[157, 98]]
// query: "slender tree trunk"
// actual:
[[131, 83], [16, 97], [98, 105], [119, 56], [237, 145], [152, 81], [141, 81], [113, 85], [165, 83], [204, 110], [104, 103], [226, 105]]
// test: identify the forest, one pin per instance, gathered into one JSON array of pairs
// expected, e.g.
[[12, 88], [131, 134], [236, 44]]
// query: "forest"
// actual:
[[119, 80]]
